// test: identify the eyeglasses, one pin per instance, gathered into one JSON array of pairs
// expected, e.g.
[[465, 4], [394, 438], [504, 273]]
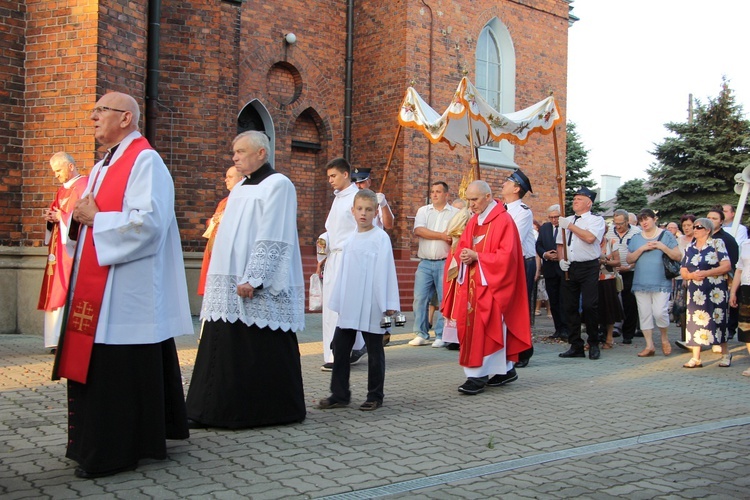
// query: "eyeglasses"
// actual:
[[102, 109], [553, 216], [698, 227]]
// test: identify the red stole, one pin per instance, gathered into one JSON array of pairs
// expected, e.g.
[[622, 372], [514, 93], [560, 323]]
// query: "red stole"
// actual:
[[83, 316], [57, 271]]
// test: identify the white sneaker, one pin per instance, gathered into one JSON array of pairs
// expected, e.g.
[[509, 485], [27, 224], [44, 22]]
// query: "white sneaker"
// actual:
[[419, 341], [716, 349], [438, 343]]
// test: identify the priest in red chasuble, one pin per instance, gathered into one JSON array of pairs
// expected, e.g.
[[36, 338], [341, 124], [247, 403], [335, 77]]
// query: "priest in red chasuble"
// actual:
[[491, 305], [57, 271]]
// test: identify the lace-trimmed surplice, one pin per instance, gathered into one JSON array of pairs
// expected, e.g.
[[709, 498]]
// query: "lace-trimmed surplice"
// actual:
[[257, 244]]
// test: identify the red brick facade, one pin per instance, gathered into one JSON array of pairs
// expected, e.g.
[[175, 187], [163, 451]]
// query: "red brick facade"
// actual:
[[217, 57]]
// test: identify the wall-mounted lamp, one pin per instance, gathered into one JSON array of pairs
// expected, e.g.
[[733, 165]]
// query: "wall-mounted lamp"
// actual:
[[290, 38]]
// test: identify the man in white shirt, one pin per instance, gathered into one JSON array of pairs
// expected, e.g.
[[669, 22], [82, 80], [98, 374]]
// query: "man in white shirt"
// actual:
[[583, 233], [741, 234], [430, 227], [513, 189]]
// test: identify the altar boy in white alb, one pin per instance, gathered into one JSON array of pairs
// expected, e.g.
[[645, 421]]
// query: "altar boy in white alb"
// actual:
[[365, 289], [340, 226]]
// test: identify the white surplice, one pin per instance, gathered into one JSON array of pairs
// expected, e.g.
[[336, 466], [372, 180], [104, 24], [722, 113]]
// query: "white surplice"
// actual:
[[366, 285], [257, 243], [340, 226], [145, 300]]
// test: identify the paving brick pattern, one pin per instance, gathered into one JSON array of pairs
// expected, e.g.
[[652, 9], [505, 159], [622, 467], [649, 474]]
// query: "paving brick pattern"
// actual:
[[523, 440]]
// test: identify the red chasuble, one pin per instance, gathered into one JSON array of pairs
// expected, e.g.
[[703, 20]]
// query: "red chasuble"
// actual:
[[481, 310], [77, 341], [218, 214], [59, 263]]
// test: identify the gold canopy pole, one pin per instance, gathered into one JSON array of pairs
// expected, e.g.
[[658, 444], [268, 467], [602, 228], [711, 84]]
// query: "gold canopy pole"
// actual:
[[474, 162], [390, 159]]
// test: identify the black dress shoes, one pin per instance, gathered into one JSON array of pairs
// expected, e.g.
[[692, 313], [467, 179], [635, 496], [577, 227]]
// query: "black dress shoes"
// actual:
[[573, 353], [79, 472], [192, 424], [500, 380], [471, 387], [522, 363], [594, 351]]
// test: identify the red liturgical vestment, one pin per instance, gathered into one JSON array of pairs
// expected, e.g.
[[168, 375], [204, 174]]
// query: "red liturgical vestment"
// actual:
[[57, 272], [86, 302], [493, 291]]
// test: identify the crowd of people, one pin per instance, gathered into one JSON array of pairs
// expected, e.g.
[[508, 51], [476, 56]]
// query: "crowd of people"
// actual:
[[115, 291]]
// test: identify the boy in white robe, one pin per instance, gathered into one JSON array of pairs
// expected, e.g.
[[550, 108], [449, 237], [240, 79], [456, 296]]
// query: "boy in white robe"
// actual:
[[340, 226], [365, 289]]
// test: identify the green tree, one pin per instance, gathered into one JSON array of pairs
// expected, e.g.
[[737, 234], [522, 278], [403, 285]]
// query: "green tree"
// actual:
[[576, 173], [695, 169], [631, 196]]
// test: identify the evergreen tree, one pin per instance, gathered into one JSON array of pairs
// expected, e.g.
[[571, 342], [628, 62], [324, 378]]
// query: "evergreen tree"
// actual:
[[576, 174], [695, 169], [631, 196]]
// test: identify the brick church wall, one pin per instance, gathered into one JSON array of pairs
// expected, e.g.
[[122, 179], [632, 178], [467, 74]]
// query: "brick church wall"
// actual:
[[217, 56], [392, 55], [12, 41]]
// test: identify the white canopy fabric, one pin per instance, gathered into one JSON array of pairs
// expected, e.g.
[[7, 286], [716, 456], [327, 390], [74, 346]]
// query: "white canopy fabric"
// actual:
[[469, 111]]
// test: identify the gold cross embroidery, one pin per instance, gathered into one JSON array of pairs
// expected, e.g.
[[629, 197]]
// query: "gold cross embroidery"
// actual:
[[82, 316]]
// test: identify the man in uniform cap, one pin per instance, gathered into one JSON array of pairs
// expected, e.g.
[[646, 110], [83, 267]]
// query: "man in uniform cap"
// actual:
[[513, 189], [583, 235], [384, 218]]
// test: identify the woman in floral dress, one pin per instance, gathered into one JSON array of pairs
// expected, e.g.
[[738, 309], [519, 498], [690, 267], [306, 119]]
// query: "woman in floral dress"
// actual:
[[705, 269]]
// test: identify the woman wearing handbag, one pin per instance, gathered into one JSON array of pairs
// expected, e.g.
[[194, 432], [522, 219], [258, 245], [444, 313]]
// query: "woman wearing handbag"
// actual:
[[650, 283], [705, 269]]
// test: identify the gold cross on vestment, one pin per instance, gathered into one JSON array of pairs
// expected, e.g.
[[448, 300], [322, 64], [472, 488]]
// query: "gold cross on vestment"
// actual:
[[82, 316]]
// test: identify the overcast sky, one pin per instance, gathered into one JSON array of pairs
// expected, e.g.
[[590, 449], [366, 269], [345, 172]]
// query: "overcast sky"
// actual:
[[633, 64]]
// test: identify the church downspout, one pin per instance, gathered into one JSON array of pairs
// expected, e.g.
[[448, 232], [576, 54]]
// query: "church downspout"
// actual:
[[152, 69], [429, 101], [348, 83]]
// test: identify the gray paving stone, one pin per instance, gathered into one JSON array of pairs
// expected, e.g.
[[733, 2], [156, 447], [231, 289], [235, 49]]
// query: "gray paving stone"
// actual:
[[425, 431]]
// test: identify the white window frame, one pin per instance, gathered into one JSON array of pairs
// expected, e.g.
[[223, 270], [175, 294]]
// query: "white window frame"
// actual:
[[501, 155]]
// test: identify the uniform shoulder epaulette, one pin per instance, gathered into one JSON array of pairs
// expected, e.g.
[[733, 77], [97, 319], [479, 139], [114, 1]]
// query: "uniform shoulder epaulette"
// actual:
[[525, 207]]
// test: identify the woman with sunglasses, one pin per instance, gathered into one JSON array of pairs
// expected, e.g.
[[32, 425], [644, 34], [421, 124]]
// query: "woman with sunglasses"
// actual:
[[742, 283], [705, 269], [679, 291], [650, 284]]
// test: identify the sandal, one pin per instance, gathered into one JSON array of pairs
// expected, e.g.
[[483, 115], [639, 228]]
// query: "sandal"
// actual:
[[646, 353], [726, 360], [666, 348], [746, 373], [607, 345], [693, 363]]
